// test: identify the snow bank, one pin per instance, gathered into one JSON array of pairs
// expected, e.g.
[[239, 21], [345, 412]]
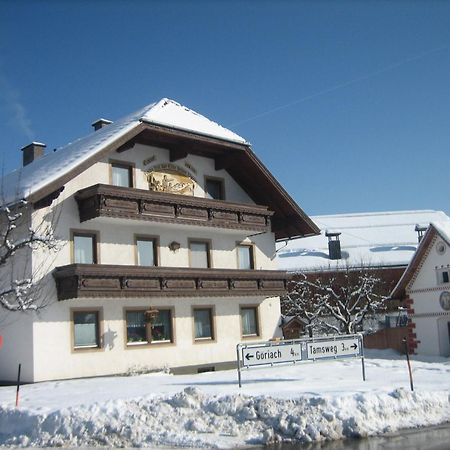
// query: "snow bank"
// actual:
[[301, 403], [192, 418]]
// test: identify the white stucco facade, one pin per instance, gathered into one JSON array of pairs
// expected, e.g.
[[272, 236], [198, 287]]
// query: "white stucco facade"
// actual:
[[430, 315], [44, 342]]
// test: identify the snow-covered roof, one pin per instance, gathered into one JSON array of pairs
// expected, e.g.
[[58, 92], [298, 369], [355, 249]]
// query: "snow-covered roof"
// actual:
[[27, 180], [376, 239], [442, 227]]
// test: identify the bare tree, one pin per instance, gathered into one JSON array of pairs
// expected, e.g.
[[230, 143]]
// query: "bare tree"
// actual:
[[18, 240], [300, 302], [338, 301]]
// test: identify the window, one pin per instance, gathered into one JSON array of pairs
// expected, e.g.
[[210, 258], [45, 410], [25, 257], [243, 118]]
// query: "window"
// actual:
[[245, 257], [199, 254], [249, 318], [146, 251], [136, 327], [214, 188], [85, 248], [121, 175], [443, 275], [142, 331], [86, 329], [162, 327], [203, 324]]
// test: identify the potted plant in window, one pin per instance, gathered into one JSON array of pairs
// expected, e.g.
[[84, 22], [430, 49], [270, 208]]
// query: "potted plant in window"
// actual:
[[150, 315]]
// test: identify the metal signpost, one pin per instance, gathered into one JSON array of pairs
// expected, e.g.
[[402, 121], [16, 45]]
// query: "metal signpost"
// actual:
[[299, 351], [267, 353]]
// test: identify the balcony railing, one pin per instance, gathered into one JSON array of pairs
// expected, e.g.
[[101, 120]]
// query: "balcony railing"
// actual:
[[103, 200], [100, 280]]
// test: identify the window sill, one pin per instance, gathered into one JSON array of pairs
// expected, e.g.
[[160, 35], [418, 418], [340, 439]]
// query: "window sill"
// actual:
[[204, 340], [251, 336], [87, 348]]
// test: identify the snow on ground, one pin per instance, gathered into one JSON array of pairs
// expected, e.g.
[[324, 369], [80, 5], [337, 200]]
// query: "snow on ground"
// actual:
[[306, 402]]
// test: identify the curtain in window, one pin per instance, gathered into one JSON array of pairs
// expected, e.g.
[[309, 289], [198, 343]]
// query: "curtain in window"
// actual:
[[120, 176], [202, 319], [161, 329], [145, 250], [245, 260], [199, 254], [248, 321], [136, 327], [83, 247], [85, 329]]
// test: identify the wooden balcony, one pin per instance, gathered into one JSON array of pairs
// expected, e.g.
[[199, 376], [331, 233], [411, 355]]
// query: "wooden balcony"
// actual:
[[100, 280], [103, 200]]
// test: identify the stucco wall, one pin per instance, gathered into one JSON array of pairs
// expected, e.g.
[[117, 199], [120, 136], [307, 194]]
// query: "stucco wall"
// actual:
[[54, 357], [430, 318]]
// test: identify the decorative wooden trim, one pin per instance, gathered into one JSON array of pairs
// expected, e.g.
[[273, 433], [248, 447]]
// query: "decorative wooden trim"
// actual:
[[431, 314], [121, 281], [442, 287], [103, 200]]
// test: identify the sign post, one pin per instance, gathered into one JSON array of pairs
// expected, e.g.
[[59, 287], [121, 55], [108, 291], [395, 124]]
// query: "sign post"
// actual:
[[272, 353]]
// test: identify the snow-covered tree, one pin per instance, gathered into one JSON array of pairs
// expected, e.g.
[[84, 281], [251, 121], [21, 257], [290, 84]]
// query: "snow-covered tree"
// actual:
[[339, 301], [301, 303], [18, 239]]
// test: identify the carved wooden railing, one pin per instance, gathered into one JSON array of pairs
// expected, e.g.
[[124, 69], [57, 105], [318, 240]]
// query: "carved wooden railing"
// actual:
[[100, 280], [103, 200]]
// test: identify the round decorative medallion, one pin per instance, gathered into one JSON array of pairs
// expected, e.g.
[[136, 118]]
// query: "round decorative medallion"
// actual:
[[440, 248], [444, 300]]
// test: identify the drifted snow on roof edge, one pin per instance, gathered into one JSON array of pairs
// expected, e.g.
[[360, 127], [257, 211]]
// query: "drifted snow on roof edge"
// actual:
[[27, 180]]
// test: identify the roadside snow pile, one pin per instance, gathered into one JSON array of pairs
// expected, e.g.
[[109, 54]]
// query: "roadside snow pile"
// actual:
[[192, 418], [302, 403]]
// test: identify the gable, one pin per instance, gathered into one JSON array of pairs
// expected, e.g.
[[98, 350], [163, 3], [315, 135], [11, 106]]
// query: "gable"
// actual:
[[182, 132], [423, 267]]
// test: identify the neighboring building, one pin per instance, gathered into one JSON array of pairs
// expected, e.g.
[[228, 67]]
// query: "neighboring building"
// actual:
[[385, 240], [382, 242], [170, 223], [425, 290]]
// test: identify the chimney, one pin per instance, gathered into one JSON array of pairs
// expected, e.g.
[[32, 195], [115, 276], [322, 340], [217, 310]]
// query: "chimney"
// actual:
[[334, 245], [100, 123], [420, 229], [32, 151]]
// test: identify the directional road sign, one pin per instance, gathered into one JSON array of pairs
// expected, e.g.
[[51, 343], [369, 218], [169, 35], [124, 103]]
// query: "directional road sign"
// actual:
[[258, 355], [331, 348]]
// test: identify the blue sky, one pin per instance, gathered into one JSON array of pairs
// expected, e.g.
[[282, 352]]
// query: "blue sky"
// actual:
[[346, 102]]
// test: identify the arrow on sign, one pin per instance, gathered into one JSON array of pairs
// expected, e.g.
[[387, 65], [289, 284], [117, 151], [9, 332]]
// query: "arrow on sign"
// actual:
[[248, 356], [354, 346]]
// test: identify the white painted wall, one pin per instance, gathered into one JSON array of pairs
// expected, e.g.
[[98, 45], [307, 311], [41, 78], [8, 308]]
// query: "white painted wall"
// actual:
[[49, 334], [55, 359], [430, 318]]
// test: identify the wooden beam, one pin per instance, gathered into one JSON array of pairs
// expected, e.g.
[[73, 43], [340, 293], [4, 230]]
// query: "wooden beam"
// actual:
[[177, 153], [226, 161], [127, 146]]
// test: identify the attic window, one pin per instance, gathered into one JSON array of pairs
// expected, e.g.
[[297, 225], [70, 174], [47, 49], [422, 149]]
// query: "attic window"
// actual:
[[214, 188], [121, 174], [443, 275]]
